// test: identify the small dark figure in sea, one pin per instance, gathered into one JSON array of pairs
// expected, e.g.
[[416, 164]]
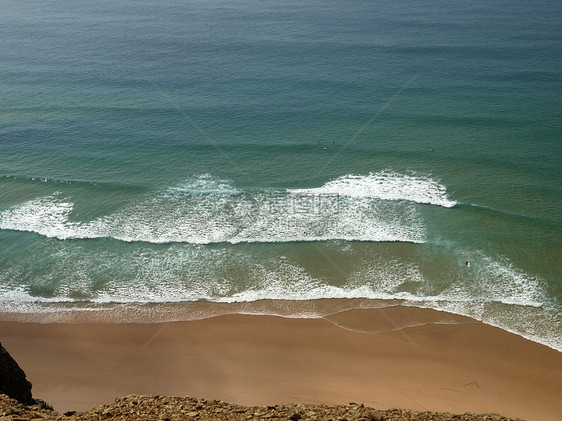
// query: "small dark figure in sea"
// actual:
[[467, 264]]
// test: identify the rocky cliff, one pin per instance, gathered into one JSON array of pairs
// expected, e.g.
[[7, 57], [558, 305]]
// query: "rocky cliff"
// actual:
[[12, 379]]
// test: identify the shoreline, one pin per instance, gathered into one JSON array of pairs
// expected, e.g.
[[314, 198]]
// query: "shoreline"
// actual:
[[395, 356], [201, 310]]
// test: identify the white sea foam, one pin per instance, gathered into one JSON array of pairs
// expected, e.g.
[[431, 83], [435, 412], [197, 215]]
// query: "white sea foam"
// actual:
[[387, 185], [202, 184], [180, 274], [504, 296], [48, 216], [378, 207], [207, 210]]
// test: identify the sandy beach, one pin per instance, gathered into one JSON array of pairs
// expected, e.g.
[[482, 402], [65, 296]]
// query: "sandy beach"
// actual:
[[394, 357]]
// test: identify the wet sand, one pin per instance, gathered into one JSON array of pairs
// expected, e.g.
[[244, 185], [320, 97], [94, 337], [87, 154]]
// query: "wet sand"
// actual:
[[394, 357]]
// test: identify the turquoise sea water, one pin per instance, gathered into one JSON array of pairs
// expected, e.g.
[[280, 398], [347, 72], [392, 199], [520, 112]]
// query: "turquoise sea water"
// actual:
[[166, 152]]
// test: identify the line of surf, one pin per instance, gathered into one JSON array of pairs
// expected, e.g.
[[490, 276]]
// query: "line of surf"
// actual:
[[25, 307], [387, 185], [207, 210], [209, 219]]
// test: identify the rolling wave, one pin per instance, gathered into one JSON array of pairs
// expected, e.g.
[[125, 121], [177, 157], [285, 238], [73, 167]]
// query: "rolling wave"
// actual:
[[387, 185], [378, 207]]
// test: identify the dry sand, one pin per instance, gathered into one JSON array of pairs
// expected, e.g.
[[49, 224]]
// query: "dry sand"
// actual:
[[397, 357]]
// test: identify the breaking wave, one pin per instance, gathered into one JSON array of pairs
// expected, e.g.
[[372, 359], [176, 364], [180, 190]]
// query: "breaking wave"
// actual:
[[79, 280], [377, 207]]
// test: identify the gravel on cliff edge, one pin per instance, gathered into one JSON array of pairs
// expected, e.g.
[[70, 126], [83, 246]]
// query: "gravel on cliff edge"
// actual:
[[154, 407]]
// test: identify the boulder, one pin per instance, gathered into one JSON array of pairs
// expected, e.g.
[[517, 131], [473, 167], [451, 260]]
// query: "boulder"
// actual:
[[12, 379]]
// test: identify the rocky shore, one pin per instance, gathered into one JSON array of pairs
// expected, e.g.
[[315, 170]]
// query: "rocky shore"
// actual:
[[154, 407]]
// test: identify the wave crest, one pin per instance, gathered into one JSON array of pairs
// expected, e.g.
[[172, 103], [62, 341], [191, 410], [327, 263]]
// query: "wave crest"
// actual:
[[378, 207], [387, 185]]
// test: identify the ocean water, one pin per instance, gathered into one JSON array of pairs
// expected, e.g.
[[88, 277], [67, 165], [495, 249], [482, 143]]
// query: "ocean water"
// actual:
[[162, 155]]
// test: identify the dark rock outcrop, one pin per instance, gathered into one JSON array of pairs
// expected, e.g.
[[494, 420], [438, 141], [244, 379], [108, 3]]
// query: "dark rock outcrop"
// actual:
[[12, 379]]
